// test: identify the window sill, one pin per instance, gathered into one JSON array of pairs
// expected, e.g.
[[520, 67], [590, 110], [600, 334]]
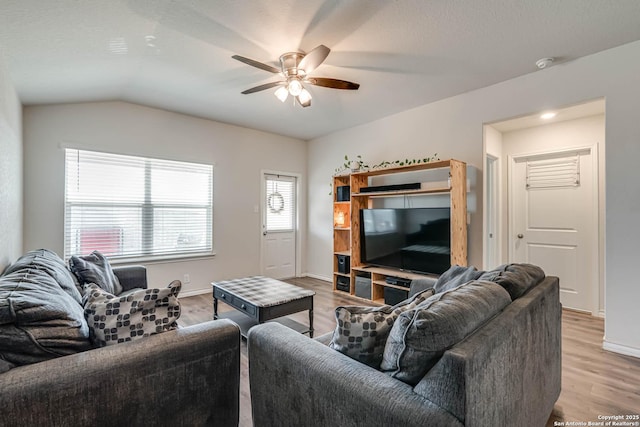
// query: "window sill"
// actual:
[[164, 259]]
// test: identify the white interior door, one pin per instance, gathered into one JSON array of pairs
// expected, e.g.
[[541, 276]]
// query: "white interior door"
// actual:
[[279, 226], [554, 211]]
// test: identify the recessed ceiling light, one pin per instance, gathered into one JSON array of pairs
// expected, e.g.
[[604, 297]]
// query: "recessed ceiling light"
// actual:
[[547, 116]]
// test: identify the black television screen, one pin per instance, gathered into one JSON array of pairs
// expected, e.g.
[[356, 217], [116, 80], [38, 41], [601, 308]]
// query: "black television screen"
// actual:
[[413, 239]]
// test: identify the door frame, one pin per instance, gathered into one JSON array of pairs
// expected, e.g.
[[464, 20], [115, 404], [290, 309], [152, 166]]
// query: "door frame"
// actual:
[[263, 199], [496, 204], [594, 217]]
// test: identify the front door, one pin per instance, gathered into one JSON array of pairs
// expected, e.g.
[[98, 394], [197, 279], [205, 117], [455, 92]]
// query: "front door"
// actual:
[[554, 211], [279, 226]]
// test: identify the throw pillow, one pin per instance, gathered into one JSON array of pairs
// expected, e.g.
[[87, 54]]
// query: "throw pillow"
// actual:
[[517, 279], [361, 332], [454, 277], [420, 336], [114, 319], [95, 268]]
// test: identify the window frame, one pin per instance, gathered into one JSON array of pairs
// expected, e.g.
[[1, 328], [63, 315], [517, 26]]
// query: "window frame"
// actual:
[[147, 208]]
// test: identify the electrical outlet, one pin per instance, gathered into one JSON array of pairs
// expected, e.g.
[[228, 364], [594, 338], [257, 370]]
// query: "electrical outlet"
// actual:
[[186, 279]]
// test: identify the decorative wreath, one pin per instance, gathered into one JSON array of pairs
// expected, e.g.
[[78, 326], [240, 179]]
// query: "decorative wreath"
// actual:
[[275, 201]]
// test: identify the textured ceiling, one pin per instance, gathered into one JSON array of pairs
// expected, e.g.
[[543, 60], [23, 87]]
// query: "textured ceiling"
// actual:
[[176, 54]]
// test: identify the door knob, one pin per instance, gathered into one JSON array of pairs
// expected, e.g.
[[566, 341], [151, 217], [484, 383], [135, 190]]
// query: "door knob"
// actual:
[[520, 236]]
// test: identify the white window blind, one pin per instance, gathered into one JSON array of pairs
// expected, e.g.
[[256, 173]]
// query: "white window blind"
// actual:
[[136, 207], [280, 203]]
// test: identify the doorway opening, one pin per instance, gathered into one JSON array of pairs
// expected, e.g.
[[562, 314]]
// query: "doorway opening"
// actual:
[[544, 198]]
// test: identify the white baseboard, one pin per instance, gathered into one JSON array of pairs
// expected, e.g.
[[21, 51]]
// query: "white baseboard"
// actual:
[[621, 349], [317, 276], [195, 292]]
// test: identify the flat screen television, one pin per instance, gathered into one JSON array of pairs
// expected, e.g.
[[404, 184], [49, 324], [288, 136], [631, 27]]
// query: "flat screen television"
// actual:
[[411, 239]]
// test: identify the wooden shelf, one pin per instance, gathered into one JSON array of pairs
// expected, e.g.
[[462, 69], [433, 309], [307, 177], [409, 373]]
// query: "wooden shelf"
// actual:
[[341, 274], [347, 253], [403, 192], [342, 228], [402, 169], [390, 272]]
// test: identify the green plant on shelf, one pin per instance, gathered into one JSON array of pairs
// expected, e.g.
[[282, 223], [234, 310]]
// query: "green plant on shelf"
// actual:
[[406, 162]]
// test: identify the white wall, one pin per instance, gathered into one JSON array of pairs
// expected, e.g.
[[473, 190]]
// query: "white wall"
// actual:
[[583, 132], [10, 171], [453, 128], [238, 155]]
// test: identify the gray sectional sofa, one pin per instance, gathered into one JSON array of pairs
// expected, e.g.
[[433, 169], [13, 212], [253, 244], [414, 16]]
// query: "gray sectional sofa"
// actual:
[[505, 372], [51, 376]]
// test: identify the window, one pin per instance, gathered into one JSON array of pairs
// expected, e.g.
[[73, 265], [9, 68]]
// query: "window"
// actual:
[[136, 207], [280, 203]]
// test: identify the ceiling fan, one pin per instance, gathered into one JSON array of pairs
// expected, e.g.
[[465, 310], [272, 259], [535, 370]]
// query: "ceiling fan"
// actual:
[[295, 67]]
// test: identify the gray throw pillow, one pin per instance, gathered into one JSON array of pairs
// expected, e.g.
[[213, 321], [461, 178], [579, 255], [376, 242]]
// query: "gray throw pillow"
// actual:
[[420, 336], [139, 314], [517, 279], [95, 268], [454, 277], [361, 332]]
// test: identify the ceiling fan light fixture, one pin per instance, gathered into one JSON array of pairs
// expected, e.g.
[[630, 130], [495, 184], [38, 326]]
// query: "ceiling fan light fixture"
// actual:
[[282, 93], [295, 87], [304, 97], [294, 70]]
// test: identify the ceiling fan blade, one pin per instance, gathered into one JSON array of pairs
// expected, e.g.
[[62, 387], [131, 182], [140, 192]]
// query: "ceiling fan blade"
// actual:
[[262, 87], [332, 83], [313, 59], [256, 64]]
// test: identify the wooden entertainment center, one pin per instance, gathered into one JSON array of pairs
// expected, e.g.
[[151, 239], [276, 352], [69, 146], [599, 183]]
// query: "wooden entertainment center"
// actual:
[[347, 263]]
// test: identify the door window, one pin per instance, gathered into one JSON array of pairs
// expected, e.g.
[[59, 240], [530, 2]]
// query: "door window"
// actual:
[[280, 203]]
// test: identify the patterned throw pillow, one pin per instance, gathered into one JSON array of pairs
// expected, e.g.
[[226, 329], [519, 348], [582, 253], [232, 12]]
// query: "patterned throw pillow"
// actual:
[[114, 319], [361, 332]]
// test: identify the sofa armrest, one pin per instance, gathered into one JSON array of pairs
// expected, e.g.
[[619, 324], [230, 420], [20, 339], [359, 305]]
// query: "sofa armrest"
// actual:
[[131, 276], [298, 381], [509, 371], [188, 376]]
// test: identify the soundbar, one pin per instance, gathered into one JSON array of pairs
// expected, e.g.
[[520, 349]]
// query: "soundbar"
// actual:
[[394, 187]]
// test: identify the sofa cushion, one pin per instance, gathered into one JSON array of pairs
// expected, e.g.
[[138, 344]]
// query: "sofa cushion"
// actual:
[[421, 335], [361, 332], [454, 277], [95, 268], [40, 313], [49, 263], [517, 279], [116, 319]]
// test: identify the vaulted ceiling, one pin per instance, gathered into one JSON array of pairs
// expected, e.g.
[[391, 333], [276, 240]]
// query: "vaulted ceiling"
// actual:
[[176, 54]]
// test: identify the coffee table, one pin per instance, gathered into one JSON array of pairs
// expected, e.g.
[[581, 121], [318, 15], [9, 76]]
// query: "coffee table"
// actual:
[[260, 299]]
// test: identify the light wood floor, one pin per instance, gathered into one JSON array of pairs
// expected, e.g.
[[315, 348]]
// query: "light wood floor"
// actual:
[[594, 382]]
